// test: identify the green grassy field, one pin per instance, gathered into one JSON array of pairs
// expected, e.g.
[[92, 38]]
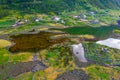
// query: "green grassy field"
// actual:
[[99, 32], [59, 58]]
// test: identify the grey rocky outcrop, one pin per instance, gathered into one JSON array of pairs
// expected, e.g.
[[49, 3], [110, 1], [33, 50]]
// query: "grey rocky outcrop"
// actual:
[[73, 75], [78, 51]]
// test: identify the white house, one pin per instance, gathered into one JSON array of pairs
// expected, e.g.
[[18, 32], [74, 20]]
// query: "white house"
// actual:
[[56, 18]]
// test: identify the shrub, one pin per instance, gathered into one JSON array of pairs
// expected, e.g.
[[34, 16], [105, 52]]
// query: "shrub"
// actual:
[[3, 13], [117, 31]]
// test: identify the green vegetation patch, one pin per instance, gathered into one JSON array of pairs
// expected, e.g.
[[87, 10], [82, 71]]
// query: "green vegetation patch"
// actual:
[[25, 76], [6, 23], [21, 57], [4, 55], [117, 31], [101, 54], [59, 56], [102, 73], [98, 72], [99, 32]]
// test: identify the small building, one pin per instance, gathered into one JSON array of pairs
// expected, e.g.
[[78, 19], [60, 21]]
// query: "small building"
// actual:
[[21, 23], [62, 21], [95, 21], [81, 16], [75, 16], [55, 18], [38, 19], [118, 22], [18, 23], [15, 25], [92, 13]]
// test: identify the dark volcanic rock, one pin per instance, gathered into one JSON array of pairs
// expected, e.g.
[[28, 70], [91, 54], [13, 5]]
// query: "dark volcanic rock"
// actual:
[[39, 66], [11, 70], [73, 75], [114, 35]]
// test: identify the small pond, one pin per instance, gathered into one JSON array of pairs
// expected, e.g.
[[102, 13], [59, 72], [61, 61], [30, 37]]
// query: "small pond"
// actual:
[[34, 42]]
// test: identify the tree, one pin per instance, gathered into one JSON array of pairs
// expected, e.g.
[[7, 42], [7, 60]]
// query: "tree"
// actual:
[[5, 1], [8, 1]]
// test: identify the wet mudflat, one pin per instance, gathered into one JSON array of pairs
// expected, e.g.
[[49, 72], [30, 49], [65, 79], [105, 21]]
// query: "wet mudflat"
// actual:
[[34, 42]]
